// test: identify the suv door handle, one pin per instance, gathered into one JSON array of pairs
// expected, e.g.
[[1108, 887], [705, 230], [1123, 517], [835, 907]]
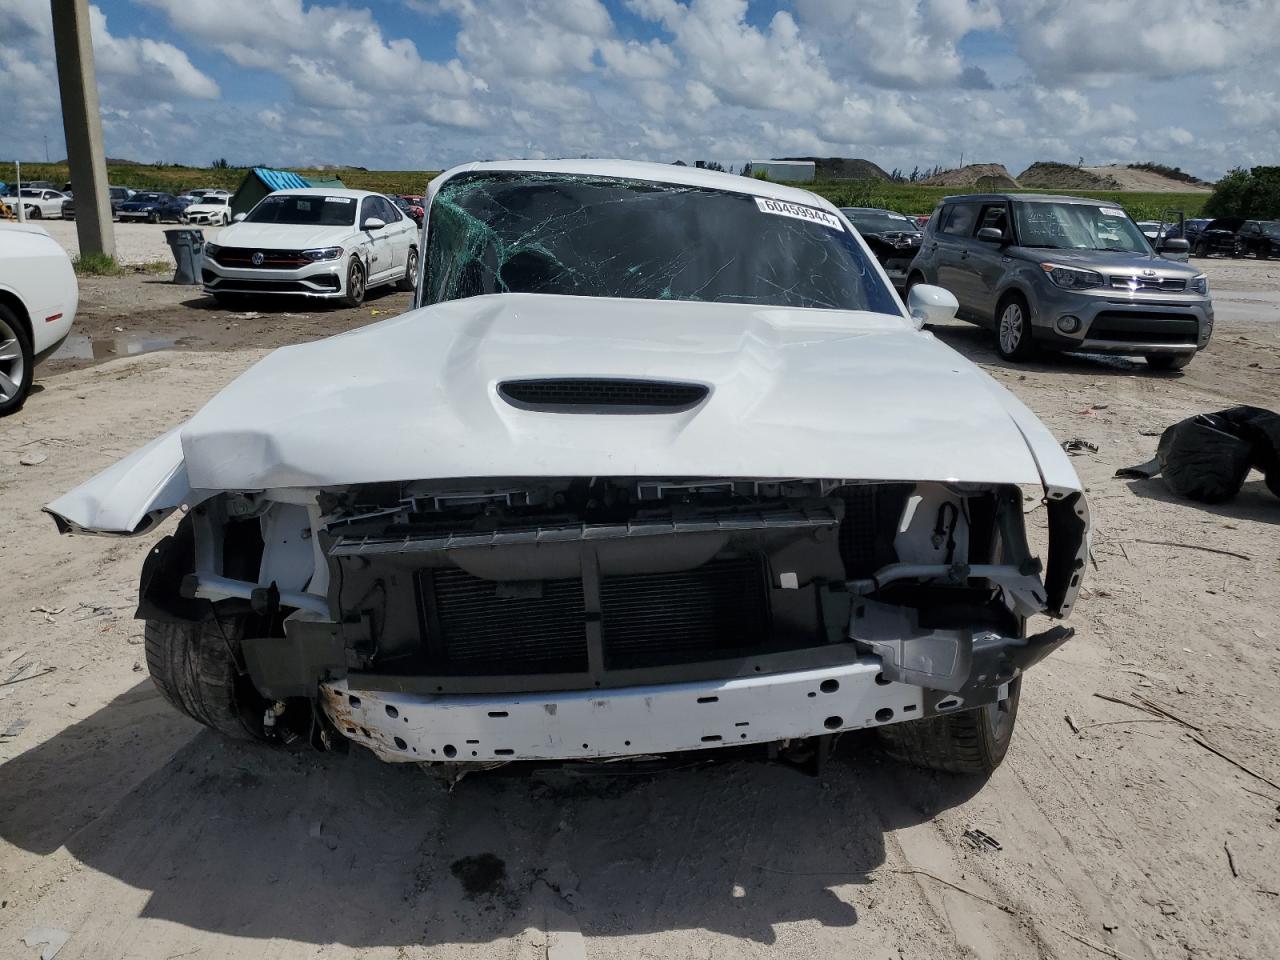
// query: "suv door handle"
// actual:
[[964, 254]]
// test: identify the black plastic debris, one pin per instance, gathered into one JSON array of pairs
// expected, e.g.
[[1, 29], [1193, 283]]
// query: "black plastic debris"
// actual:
[[1208, 456]]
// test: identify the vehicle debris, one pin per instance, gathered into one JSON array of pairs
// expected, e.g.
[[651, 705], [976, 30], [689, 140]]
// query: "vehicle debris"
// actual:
[[1079, 445], [51, 938], [981, 840]]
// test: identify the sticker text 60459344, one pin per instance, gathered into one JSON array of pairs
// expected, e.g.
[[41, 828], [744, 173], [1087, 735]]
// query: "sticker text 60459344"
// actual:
[[781, 208]]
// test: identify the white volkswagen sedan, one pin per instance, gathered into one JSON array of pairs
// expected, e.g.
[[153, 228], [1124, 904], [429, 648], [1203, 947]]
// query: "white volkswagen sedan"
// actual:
[[38, 300], [334, 244]]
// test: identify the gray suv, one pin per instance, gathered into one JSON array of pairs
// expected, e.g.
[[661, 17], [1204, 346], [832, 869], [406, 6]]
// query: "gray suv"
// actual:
[[1064, 273]]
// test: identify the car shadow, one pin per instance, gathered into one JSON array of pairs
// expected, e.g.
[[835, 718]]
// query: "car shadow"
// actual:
[[1254, 502], [243, 840], [975, 343], [284, 303]]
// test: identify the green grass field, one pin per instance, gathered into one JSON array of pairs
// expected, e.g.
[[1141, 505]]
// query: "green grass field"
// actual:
[[903, 197], [175, 179]]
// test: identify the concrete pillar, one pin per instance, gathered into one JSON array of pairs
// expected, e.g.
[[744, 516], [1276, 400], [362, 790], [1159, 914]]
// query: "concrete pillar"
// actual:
[[82, 124]]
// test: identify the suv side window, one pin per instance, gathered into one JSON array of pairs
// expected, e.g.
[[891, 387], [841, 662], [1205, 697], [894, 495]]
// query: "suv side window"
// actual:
[[958, 220], [996, 216]]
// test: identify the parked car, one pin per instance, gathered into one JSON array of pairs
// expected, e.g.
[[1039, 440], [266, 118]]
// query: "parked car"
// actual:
[[1260, 238], [212, 209], [38, 300], [41, 204], [407, 206], [1189, 230], [1065, 273], [601, 498], [118, 196], [152, 207], [334, 244], [893, 238], [1219, 238]]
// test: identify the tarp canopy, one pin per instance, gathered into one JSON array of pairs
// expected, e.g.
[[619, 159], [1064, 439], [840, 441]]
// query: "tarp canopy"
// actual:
[[260, 181]]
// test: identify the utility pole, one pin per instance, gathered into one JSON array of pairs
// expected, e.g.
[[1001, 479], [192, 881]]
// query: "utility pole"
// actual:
[[82, 124], [17, 165]]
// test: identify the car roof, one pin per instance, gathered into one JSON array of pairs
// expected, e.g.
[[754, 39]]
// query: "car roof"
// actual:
[[1029, 197], [322, 192], [643, 170]]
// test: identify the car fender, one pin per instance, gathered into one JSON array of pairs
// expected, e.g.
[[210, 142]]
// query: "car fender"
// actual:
[[132, 495], [1016, 281]]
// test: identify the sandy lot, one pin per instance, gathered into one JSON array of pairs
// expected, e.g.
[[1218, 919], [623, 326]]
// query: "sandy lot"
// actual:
[[142, 836]]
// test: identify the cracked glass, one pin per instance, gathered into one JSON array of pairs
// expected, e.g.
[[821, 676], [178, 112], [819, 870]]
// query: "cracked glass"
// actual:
[[525, 232]]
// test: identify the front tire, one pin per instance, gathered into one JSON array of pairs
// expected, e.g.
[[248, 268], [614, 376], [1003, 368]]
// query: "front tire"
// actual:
[[973, 742], [1169, 361], [1202, 249], [1264, 251], [1013, 329], [154, 218], [195, 668], [354, 294], [35, 213], [409, 281], [17, 362]]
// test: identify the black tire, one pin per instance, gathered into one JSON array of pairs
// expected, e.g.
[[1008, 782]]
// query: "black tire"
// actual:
[[410, 279], [1201, 249], [154, 218], [1264, 251], [35, 214], [194, 667], [972, 742], [17, 370], [1169, 361], [1015, 343], [357, 285]]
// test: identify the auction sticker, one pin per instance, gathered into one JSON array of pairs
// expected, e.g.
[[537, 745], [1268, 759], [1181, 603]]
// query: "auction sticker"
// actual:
[[1111, 212], [781, 208]]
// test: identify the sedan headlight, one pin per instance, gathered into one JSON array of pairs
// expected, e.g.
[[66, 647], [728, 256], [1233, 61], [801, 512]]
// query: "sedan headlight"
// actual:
[[212, 249], [323, 253], [1072, 278], [1199, 285]]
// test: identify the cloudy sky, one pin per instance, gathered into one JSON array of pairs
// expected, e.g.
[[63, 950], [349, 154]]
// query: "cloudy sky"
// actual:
[[422, 84]]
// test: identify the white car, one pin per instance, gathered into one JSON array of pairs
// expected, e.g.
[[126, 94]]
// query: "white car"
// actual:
[[210, 209], [662, 464], [38, 300], [38, 204], [334, 244]]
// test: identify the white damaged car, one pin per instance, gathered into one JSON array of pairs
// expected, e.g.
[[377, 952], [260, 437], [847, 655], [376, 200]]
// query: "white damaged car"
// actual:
[[660, 464]]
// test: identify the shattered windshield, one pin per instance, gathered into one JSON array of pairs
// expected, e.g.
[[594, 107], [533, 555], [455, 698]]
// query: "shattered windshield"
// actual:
[[1077, 226], [605, 237]]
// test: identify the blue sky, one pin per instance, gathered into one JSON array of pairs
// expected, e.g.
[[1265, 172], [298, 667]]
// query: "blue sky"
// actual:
[[421, 84]]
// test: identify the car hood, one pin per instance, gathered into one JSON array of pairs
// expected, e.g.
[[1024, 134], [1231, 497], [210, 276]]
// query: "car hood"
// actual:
[[811, 393], [283, 235], [1111, 263]]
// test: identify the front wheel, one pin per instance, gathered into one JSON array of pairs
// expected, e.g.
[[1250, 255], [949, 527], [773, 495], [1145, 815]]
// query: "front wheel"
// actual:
[[1168, 361], [16, 362], [972, 742], [1201, 249], [1264, 251], [35, 213], [354, 295], [154, 218], [1013, 329], [195, 668], [410, 278]]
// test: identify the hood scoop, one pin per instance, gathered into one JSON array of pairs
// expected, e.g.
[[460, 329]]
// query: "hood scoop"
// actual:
[[602, 395]]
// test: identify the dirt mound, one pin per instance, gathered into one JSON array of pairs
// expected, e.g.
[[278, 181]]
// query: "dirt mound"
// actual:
[[986, 176], [843, 168], [1047, 175]]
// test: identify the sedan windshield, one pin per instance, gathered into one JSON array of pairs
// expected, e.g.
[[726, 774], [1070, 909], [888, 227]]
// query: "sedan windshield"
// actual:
[[604, 237], [1077, 226], [305, 209], [215, 201], [877, 222]]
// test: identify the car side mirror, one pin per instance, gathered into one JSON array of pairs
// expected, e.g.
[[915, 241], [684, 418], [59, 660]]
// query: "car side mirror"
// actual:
[[237, 218], [991, 235], [373, 223], [929, 304], [1174, 245]]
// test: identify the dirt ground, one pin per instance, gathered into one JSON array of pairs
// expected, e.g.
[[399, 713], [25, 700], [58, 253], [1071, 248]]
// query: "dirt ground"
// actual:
[[141, 836]]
